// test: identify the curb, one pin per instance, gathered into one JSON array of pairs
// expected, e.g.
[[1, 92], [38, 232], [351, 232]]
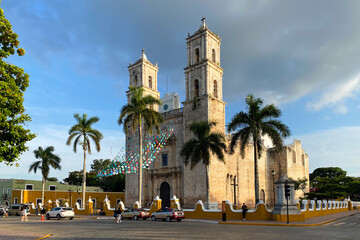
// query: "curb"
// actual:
[[46, 236], [286, 225]]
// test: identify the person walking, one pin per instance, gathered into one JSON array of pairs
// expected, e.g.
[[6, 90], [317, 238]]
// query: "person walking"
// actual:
[[115, 215], [21, 211], [119, 213], [244, 210]]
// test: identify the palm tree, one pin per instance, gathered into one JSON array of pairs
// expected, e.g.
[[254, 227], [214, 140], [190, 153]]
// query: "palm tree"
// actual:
[[198, 149], [251, 126], [48, 159], [82, 131], [136, 113]]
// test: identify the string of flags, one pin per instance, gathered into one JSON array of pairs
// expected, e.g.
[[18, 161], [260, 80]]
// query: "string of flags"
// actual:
[[127, 160]]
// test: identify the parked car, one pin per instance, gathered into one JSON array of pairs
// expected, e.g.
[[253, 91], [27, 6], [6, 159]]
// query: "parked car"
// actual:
[[15, 209], [136, 213], [167, 214], [60, 212]]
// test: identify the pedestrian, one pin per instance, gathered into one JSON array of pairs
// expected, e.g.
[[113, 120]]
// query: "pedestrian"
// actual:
[[244, 210], [21, 211], [115, 215], [118, 212], [25, 214]]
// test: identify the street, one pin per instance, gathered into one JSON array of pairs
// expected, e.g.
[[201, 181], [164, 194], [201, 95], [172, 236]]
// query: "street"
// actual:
[[85, 228]]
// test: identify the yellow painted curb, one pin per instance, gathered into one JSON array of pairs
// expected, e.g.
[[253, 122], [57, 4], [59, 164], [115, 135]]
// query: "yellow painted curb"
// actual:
[[46, 236]]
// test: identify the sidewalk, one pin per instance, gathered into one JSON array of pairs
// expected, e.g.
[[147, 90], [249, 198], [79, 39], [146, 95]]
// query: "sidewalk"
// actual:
[[315, 221]]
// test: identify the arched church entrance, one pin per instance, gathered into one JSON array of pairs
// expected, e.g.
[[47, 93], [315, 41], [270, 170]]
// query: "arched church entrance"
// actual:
[[165, 194]]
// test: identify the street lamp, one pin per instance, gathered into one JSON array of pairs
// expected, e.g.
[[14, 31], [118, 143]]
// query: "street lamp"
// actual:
[[273, 175]]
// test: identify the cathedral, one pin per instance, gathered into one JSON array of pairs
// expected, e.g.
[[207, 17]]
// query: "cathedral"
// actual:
[[233, 180]]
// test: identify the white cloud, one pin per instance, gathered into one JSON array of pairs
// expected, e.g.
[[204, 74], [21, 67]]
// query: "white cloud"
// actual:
[[56, 135], [337, 147], [336, 96]]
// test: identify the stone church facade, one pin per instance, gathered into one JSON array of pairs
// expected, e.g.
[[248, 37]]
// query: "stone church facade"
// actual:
[[168, 176]]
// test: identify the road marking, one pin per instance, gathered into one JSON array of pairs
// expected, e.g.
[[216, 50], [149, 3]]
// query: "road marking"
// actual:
[[197, 220], [338, 224], [46, 236]]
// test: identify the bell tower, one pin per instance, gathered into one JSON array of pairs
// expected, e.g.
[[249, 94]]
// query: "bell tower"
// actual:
[[203, 84], [203, 79], [144, 74]]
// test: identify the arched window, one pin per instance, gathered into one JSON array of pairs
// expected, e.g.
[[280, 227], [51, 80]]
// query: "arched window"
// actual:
[[294, 156], [215, 89], [213, 55], [150, 82], [196, 85], [262, 195], [135, 81], [197, 55]]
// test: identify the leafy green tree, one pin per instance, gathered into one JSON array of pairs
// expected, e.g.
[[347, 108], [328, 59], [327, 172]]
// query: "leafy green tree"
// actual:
[[248, 127], [99, 164], [82, 132], [301, 184], [13, 84], [136, 113], [52, 179], [198, 149], [48, 159], [329, 183], [74, 178]]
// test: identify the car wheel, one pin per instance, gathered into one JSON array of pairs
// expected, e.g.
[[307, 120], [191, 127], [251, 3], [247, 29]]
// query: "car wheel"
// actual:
[[179, 219], [144, 219], [47, 217], [71, 218], [153, 218], [58, 217], [9, 213], [168, 219], [136, 217]]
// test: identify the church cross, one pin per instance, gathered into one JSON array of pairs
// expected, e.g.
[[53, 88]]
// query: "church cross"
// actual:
[[235, 185], [203, 19]]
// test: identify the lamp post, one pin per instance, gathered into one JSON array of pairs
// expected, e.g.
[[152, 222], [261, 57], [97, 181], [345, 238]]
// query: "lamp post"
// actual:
[[273, 175]]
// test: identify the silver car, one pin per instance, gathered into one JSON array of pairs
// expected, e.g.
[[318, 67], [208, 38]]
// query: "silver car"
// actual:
[[60, 212], [167, 214], [136, 214]]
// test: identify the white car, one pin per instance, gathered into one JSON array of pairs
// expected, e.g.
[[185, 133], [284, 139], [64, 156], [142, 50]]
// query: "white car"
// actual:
[[60, 212]]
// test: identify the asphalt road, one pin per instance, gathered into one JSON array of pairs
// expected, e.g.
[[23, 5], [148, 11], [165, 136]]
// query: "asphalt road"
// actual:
[[346, 228]]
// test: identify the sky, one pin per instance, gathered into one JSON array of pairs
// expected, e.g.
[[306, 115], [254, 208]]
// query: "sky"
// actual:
[[302, 56]]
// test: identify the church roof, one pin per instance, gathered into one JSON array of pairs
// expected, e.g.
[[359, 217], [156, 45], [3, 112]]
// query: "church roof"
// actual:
[[203, 27], [143, 58]]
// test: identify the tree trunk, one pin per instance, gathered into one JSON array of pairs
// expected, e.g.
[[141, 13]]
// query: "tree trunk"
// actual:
[[207, 186], [84, 179], [256, 174], [140, 164], [42, 191]]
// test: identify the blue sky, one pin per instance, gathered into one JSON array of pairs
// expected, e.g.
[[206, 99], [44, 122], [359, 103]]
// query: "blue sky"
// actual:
[[301, 55]]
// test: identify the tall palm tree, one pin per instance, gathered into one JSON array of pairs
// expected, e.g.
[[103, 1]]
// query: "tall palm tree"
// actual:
[[136, 113], [82, 131], [48, 159], [199, 148], [252, 125]]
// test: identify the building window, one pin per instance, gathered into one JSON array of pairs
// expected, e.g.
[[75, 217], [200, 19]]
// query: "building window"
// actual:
[[16, 200], [213, 55], [4, 191], [94, 203], [8, 191], [164, 158], [52, 187], [197, 55], [135, 81], [150, 82], [79, 200], [29, 187], [303, 159], [215, 89], [196, 88], [38, 201], [294, 156]]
